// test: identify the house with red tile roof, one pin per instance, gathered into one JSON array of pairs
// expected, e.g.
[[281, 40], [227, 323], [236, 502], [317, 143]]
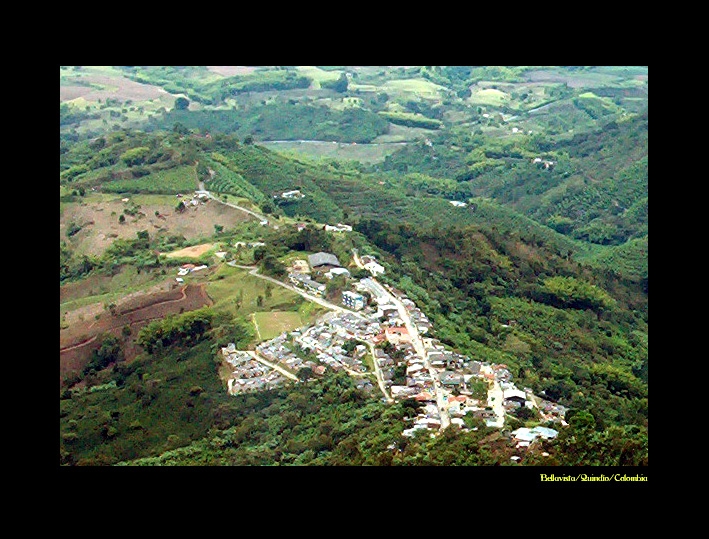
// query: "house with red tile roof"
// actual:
[[395, 335]]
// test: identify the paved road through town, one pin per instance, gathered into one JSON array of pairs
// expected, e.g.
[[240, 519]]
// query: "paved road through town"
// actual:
[[415, 341]]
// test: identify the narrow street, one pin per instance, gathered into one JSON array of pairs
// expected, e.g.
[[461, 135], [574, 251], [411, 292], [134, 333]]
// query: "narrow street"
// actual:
[[280, 369], [378, 373], [495, 400]]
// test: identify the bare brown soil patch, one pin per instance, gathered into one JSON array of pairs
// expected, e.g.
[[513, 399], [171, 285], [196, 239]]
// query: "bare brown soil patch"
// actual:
[[69, 92], [119, 88], [101, 227], [194, 251], [78, 341]]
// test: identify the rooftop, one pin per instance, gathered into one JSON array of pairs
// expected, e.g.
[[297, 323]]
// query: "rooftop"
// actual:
[[321, 259]]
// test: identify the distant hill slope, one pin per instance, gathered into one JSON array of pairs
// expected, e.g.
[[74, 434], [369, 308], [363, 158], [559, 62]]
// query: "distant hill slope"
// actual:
[[133, 162], [592, 187]]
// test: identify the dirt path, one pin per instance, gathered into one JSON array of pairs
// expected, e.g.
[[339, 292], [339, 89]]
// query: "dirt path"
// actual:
[[241, 208], [253, 319]]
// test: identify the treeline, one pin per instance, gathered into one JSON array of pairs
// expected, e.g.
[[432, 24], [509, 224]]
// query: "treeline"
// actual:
[[199, 84], [68, 115], [259, 81], [411, 120], [181, 330]]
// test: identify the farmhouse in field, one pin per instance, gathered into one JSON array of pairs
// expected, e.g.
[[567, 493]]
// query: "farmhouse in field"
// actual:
[[339, 227], [292, 194]]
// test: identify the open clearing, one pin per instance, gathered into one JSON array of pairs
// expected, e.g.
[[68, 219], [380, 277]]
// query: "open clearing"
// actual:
[[194, 251], [488, 96], [364, 153], [234, 290], [419, 87], [272, 324], [107, 87], [98, 216]]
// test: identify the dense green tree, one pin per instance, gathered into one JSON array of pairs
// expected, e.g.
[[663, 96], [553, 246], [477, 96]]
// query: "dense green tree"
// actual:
[[181, 103]]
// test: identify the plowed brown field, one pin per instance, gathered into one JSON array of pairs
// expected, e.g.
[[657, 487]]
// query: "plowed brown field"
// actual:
[[78, 340]]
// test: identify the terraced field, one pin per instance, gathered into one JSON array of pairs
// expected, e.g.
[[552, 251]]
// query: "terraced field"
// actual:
[[79, 339]]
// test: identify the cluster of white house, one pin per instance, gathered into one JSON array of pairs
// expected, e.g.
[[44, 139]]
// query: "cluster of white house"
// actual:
[[327, 265], [186, 269]]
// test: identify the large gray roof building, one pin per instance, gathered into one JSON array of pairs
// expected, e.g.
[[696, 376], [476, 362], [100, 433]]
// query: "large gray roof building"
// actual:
[[323, 259]]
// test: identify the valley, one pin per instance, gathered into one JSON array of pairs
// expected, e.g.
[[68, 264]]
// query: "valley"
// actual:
[[353, 265]]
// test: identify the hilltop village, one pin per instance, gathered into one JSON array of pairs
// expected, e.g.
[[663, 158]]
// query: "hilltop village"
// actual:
[[378, 336]]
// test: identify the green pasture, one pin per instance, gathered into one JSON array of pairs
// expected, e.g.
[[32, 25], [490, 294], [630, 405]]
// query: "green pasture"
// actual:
[[488, 96], [419, 87], [107, 289], [233, 289], [364, 153], [272, 324], [175, 180], [317, 75]]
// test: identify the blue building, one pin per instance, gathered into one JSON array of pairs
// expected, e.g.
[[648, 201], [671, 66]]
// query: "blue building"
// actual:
[[353, 300]]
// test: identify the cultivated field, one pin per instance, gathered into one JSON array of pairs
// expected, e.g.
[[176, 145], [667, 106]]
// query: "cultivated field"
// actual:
[[79, 338]]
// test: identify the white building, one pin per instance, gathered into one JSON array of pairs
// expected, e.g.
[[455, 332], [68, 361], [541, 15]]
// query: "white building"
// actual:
[[374, 268], [338, 228], [334, 272]]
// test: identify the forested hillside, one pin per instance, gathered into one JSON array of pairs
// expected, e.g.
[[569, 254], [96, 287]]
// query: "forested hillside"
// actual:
[[594, 188]]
